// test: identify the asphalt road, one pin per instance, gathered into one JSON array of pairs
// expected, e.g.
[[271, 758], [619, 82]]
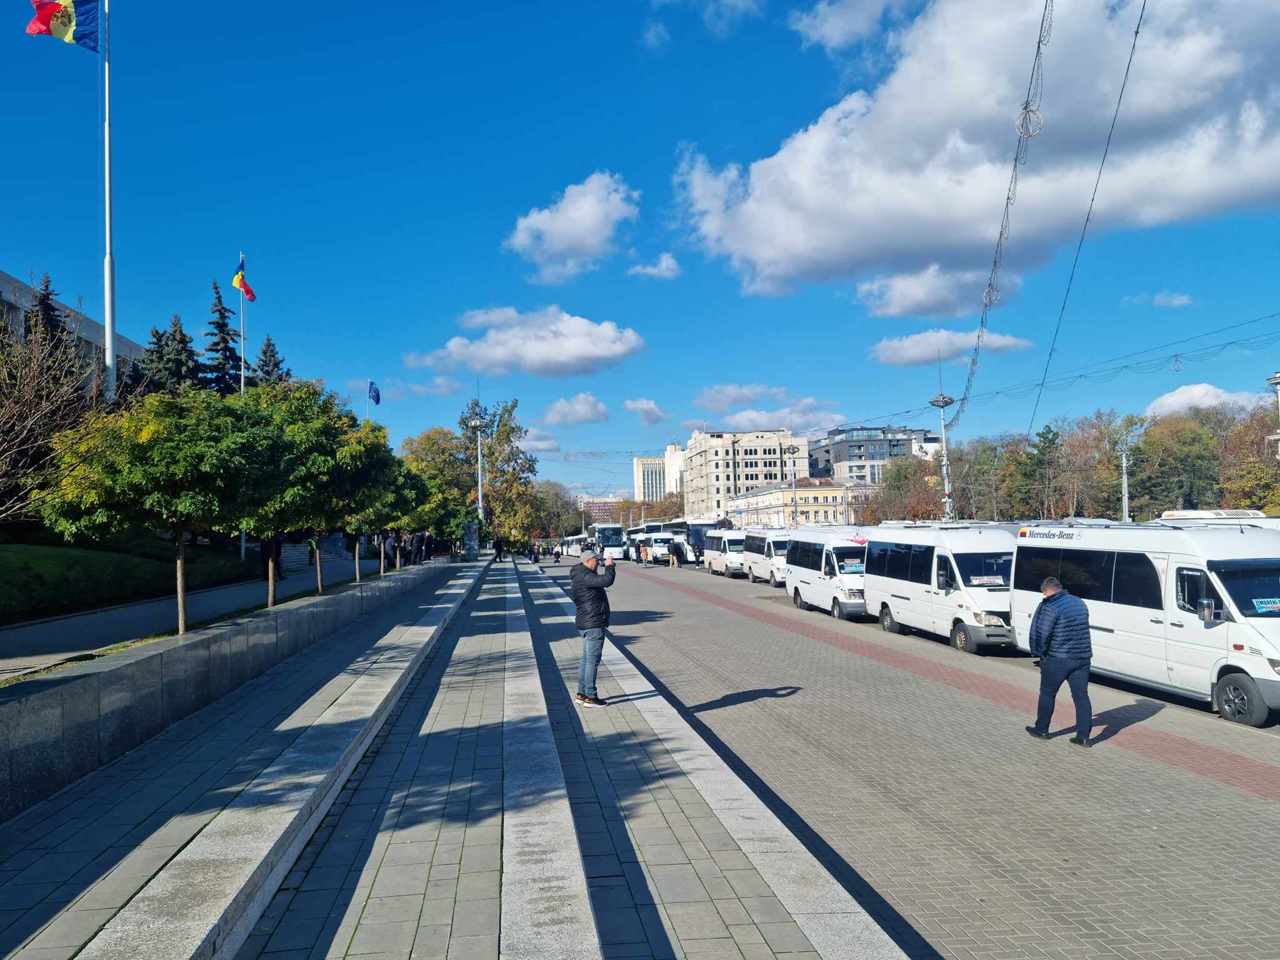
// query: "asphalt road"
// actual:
[[903, 765]]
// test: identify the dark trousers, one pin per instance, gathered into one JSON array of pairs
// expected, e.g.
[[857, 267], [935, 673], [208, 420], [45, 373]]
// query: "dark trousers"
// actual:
[[1053, 672]]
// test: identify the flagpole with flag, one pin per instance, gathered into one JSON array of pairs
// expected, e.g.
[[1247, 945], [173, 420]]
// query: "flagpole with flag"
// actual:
[[108, 260], [87, 23], [243, 348]]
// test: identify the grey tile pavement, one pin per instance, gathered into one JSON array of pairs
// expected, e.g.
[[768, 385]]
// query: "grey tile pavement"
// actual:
[[404, 864], [71, 862], [656, 885]]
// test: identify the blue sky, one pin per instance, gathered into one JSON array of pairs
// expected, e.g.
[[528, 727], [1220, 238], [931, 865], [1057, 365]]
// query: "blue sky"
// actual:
[[827, 179]]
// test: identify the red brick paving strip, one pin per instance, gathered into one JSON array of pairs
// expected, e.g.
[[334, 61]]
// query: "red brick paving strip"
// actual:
[[1229, 769]]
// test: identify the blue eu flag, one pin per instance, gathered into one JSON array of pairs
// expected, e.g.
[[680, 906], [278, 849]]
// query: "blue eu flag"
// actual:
[[374, 394]]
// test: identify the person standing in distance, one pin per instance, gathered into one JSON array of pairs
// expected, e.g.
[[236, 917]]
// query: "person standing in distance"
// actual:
[[1060, 638], [588, 585]]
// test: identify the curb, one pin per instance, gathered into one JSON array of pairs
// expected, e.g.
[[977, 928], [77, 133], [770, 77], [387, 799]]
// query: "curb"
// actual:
[[237, 863]]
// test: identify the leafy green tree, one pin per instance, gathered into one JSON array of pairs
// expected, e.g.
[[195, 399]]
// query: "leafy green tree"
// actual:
[[222, 354], [508, 468], [1250, 470], [43, 314], [270, 367], [382, 507], [369, 472], [188, 464], [911, 490], [1176, 466], [169, 362], [440, 457]]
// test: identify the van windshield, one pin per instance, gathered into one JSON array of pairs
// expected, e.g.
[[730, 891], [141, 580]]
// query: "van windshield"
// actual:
[[851, 559], [1254, 585], [985, 569], [734, 546], [779, 547], [609, 538]]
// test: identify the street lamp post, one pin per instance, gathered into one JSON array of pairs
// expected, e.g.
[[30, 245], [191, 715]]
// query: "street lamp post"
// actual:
[[795, 504], [942, 401], [475, 424]]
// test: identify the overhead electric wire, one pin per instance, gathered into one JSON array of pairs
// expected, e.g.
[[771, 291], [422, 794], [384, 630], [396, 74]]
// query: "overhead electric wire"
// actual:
[[1029, 124], [1084, 227]]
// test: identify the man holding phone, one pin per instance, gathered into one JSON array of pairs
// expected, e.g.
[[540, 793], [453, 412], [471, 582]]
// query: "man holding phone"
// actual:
[[588, 584]]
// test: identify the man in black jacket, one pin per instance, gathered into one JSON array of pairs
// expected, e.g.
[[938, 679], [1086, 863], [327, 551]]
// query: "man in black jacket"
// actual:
[[587, 588], [1060, 637]]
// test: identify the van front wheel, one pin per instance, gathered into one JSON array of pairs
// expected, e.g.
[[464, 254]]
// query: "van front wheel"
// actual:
[[961, 640], [799, 603], [887, 623], [1238, 699]]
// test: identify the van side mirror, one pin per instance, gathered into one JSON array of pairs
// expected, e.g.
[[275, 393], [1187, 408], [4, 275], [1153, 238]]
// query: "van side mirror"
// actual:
[[1207, 611]]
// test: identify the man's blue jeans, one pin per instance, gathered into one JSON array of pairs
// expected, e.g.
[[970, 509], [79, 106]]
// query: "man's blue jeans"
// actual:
[[592, 647], [1054, 671]]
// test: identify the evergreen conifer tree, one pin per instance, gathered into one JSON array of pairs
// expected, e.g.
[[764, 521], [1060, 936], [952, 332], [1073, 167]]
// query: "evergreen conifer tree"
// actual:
[[153, 361], [181, 363], [222, 358], [270, 367], [44, 314]]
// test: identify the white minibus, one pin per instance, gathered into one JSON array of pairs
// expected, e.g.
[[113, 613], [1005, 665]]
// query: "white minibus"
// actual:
[[949, 579], [608, 539], [573, 545], [825, 568], [659, 546], [1194, 609], [765, 555], [723, 552]]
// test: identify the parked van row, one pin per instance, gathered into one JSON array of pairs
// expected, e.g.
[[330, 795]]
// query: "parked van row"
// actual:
[[1188, 605]]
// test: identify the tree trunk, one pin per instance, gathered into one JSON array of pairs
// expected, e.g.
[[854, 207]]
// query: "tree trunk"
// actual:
[[319, 575], [271, 573], [357, 559], [182, 583], [382, 556]]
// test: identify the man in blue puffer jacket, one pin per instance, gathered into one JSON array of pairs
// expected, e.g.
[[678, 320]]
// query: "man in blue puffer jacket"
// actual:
[[1060, 637]]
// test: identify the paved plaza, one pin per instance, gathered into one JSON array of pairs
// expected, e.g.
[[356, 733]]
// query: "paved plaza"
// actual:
[[764, 783]]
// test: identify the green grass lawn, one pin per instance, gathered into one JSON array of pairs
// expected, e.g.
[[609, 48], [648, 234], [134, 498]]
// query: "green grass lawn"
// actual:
[[42, 581]]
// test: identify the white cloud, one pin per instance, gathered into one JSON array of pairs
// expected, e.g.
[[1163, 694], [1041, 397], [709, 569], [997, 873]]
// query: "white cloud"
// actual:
[[931, 346], [394, 389], [725, 396], [547, 342], [720, 16], [648, 411], [539, 441], [802, 415], [911, 173], [1165, 298], [574, 233], [932, 292], [664, 268], [655, 35], [1193, 395], [581, 408], [834, 24]]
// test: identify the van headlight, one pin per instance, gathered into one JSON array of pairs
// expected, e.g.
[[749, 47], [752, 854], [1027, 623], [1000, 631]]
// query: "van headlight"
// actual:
[[851, 594], [988, 619]]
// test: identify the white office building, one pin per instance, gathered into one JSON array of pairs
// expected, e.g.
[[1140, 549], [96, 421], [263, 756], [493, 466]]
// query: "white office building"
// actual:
[[649, 478]]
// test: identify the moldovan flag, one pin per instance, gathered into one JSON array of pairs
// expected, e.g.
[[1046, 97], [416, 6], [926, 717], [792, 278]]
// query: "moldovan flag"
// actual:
[[241, 284], [71, 21]]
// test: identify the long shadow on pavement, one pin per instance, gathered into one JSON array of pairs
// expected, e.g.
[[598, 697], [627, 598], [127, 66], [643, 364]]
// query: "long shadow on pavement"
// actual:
[[899, 929]]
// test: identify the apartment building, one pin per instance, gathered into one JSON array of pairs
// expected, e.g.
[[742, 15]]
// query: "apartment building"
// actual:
[[649, 475], [718, 466], [814, 501], [858, 455]]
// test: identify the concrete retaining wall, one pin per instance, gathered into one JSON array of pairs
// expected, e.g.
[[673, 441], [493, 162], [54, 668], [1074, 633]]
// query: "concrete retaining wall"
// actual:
[[56, 728]]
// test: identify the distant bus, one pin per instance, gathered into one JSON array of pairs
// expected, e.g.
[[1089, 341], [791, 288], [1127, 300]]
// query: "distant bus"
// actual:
[[609, 540], [690, 534], [573, 545]]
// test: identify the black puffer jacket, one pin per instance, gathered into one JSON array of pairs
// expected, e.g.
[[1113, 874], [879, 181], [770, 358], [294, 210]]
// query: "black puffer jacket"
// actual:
[[1060, 628], [589, 596]]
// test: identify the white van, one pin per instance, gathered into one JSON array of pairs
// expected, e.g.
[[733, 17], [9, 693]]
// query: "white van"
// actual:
[[723, 552], [765, 555], [825, 569], [1194, 609], [950, 579], [659, 546]]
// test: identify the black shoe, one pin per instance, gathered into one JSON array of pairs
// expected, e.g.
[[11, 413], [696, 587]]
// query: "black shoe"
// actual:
[[1038, 734], [1081, 742]]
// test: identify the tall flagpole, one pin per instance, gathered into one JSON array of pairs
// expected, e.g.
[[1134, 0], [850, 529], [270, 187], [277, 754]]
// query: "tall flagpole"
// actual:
[[108, 261], [243, 539], [243, 348]]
